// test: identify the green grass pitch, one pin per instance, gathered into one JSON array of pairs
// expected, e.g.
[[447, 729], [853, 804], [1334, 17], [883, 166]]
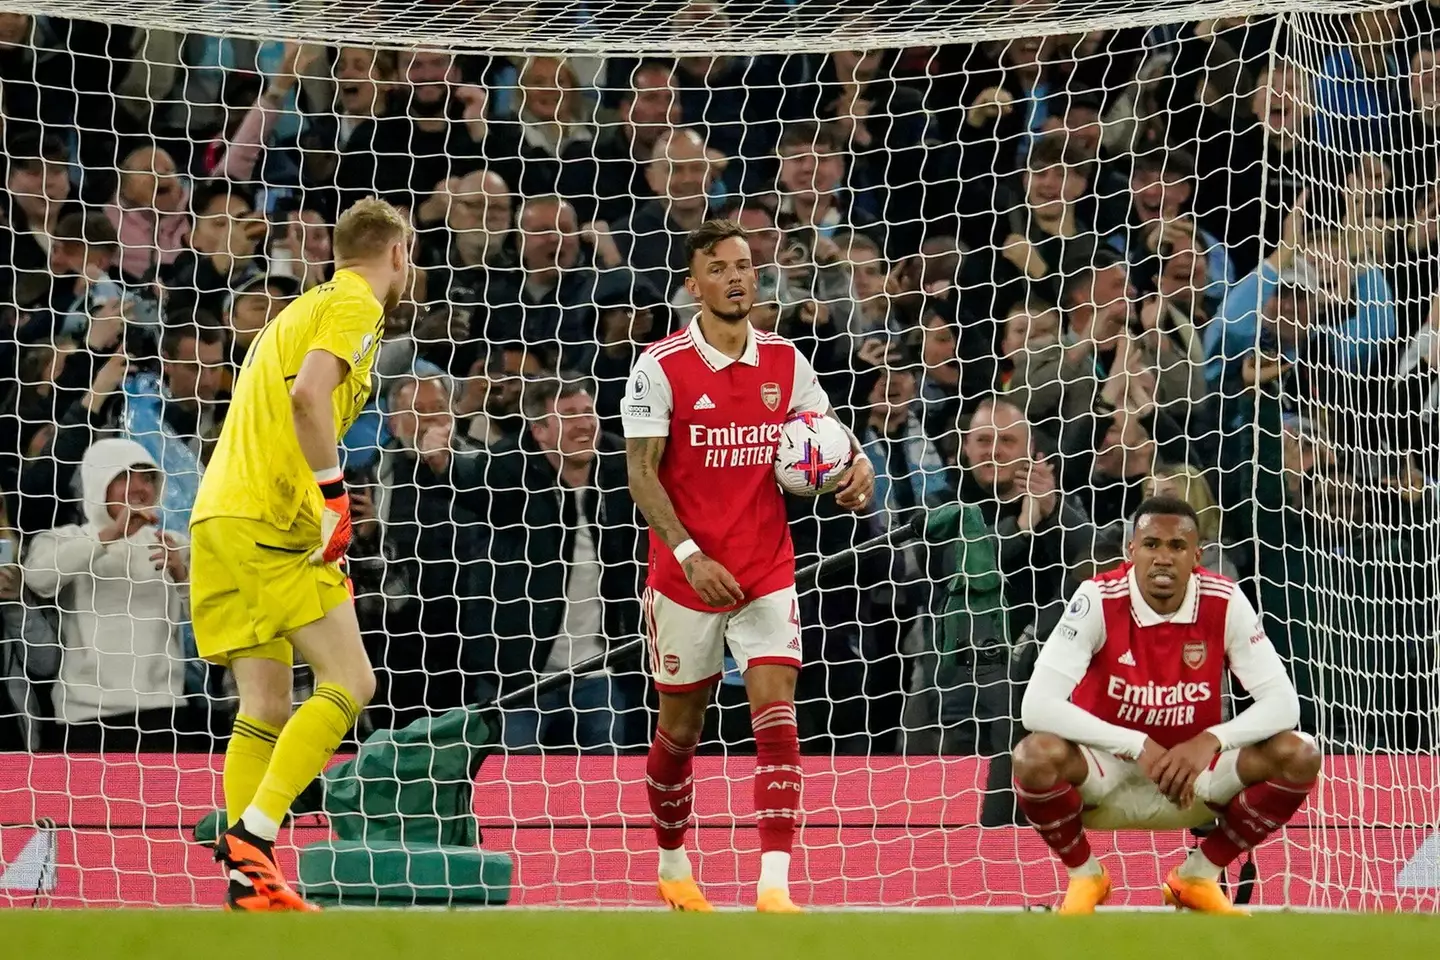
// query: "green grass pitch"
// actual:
[[578, 935]]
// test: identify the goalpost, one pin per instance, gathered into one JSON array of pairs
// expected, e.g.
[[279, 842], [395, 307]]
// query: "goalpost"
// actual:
[[1242, 196]]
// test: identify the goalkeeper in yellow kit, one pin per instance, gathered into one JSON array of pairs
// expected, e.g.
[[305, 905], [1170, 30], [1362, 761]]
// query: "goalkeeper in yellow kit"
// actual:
[[268, 535]]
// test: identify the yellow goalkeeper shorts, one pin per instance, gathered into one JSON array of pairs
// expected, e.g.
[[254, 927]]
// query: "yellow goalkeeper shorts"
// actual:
[[252, 585]]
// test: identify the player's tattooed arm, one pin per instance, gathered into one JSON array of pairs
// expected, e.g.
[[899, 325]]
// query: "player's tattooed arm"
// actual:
[[642, 458], [712, 582]]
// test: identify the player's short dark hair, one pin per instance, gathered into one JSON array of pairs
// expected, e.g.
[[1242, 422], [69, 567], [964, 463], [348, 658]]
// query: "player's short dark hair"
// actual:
[[1166, 507], [704, 238]]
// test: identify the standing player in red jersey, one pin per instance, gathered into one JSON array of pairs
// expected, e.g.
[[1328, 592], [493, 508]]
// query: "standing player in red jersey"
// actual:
[[703, 413], [1125, 713]]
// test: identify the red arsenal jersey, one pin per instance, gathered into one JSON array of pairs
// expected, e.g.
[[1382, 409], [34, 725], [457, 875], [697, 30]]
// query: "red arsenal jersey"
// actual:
[[1161, 676], [1114, 672], [722, 419]]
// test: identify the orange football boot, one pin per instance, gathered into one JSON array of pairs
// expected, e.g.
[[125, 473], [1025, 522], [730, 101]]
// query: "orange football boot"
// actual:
[[684, 895], [776, 900], [250, 859], [1200, 895], [1085, 893]]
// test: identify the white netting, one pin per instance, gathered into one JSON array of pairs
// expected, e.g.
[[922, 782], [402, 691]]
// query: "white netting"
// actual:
[[1109, 216]]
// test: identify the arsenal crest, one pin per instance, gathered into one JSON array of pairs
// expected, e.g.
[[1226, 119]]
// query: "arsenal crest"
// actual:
[[770, 395], [672, 664], [1193, 654]]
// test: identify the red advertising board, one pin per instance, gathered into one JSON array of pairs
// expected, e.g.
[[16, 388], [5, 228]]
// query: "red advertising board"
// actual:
[[879, 831]]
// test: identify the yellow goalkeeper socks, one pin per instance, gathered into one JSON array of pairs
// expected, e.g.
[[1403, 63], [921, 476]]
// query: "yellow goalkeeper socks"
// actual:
[[301, 752], [252, 742]]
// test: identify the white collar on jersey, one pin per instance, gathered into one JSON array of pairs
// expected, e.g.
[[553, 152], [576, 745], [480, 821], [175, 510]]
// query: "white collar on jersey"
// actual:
[[1146, 616], [718, 360]]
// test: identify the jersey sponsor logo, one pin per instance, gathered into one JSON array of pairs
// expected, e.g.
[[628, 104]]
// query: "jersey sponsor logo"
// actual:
[[1156, 705], [1193, 654], [1079, 606], [636, 410], [1156, 694], [735, 445], [672, 664], [1258, 636], [1126, 659], [640, 385], [770, 395], [704, 403]]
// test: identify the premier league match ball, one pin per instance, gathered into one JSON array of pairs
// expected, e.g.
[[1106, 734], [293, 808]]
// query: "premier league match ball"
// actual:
[[813, 453]]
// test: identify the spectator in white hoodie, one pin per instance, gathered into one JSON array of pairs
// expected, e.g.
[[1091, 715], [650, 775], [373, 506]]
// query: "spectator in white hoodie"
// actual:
[[122, 587]]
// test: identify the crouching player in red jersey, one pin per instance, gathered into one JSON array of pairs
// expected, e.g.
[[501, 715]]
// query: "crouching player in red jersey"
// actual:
[[703, 413], [1124, 710]]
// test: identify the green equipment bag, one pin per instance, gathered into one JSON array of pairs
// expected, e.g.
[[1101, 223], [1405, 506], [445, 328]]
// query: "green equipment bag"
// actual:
[[402, 811], [383, 873]]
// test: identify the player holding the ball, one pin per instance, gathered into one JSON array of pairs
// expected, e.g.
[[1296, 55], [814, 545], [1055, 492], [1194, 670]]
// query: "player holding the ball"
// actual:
[[704, 414]]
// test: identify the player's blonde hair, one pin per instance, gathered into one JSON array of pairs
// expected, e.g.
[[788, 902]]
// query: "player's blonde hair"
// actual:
[[367, 230]]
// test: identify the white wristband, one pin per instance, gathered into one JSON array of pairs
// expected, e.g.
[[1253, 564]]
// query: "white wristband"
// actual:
[[329, 475], [685, 550]]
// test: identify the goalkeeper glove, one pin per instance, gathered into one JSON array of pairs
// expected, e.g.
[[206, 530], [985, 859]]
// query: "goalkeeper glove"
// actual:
[[334, 518]]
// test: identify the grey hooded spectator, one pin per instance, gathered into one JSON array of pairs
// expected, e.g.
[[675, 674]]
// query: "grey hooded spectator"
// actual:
[[123, 589]]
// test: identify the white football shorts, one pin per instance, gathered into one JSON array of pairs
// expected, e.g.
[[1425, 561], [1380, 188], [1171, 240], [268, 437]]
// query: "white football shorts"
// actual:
[[687, 647], [1118, 796]]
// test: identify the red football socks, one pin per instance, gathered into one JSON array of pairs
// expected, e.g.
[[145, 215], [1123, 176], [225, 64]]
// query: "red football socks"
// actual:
[[1251, 816], [1055, 813], [670, 786], [777, 775]]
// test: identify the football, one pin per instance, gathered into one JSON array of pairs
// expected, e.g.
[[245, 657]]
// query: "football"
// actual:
[[814, 451]]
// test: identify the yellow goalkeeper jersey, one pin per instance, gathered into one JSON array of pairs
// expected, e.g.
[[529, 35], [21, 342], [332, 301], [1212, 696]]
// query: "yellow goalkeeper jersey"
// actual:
[[257, 471]]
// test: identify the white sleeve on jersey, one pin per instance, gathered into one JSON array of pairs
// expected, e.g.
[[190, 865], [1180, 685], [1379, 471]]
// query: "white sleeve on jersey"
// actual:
[[1078, 636], [1258, 667], [807, 393], [1062, 664], [648, 403]]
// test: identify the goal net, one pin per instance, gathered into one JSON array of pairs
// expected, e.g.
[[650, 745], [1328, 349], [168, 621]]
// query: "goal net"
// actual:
[[1186, 250]]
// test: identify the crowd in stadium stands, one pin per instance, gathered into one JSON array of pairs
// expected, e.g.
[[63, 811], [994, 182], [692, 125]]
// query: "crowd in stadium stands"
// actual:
[[1045, 277]]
